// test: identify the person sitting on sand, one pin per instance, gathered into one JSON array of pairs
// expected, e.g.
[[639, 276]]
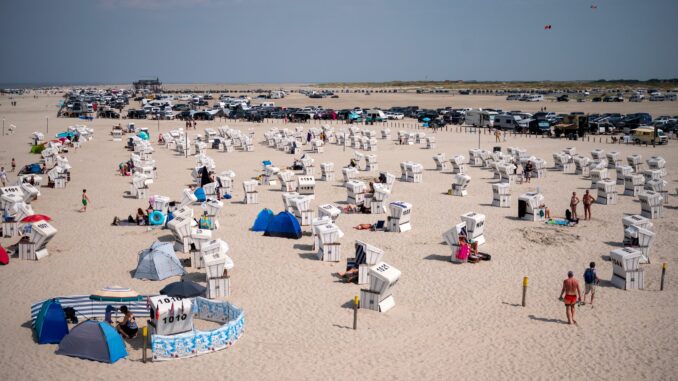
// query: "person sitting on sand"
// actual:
[[572, 295], [128, 326], [464, 240], [140, 217], [547, 211]]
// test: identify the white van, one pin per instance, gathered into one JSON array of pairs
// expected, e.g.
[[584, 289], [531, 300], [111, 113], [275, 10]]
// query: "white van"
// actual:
[[506, 121], [480, 118], [267, 104]]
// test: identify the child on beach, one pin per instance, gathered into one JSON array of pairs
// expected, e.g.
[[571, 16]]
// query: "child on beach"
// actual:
[[84, 200]]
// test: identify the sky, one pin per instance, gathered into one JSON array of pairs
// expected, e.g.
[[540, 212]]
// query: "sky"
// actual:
[[305, 41]]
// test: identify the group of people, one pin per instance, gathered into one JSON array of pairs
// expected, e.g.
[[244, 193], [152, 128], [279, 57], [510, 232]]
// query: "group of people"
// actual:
[[191, 124], [587, 201], [571, 295]]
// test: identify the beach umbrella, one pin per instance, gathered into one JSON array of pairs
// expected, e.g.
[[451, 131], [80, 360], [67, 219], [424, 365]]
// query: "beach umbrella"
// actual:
[[116, 294], [183, 289], [36, 218], [4, 258]]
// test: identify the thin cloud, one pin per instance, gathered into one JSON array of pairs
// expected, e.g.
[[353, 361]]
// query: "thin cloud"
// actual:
[[164, 4]]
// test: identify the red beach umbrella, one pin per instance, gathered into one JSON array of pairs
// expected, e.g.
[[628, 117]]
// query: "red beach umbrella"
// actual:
[[36, 218]]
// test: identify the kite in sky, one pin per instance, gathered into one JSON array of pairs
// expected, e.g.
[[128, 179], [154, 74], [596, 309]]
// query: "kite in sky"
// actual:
[[546, 27]]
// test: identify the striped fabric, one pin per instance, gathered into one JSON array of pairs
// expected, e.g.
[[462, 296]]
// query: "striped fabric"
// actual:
[[87, 308], [360, 258]]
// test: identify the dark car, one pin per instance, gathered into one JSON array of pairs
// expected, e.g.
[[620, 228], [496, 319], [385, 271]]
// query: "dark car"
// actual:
[[203, 115], [109, 114], [563, 98], [184, 115], [454, 117], [596, 99], [181, 107], [431, 114], [136, 114]]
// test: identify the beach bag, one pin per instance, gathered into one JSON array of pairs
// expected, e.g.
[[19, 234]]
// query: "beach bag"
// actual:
[[589, 276], [463, 252]]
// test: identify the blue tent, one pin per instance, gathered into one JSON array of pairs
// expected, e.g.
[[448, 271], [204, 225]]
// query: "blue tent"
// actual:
[[93, 340], [50, 325], [284, 224], [158, 262], [200, 195], [263, 218]]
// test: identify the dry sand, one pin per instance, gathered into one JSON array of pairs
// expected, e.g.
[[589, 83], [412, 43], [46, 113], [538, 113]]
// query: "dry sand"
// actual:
[[450, 321]]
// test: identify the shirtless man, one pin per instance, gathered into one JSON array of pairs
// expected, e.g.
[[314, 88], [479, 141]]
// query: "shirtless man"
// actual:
[[574, 201], [587, 201], [572, 295]]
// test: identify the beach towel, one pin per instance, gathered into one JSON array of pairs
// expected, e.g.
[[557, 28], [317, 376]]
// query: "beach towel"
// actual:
[[463, 252], [559, 222]]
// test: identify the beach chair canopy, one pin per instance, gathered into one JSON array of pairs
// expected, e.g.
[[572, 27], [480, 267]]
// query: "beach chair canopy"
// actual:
[[200, 195], [263, 218], [93, 340], [158, 262], [51, 325], [284, 224]]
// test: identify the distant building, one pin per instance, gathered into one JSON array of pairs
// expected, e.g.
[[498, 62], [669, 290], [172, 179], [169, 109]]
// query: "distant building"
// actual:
[[152, 85]]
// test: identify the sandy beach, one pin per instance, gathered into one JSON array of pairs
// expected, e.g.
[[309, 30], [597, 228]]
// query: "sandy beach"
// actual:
[[450, 321]]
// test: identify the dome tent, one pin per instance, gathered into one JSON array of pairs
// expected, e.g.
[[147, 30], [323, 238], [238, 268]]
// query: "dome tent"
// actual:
[[284, 224], [158, 262], [93, 340], [50, 325], [263, 218]]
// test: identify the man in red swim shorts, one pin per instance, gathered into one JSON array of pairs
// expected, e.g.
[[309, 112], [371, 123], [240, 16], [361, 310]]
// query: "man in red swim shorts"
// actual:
[[572, 295]]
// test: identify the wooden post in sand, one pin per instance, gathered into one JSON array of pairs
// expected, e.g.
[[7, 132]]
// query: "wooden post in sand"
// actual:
[[661, 286], [144, 333], [356, 301], [525, 281]]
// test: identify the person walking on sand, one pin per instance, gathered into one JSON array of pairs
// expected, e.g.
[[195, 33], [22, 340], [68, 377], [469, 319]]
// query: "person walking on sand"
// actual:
[[574, 201], [587, 201], [3, 176], [497, 136], [571, 294], [85, 200], [527, 171], [13, 165], [590, 282]]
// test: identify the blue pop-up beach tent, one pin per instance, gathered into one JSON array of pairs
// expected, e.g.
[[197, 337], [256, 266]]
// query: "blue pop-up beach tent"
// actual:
[[263, 218], [93, 340], [51, 325], [158, 262], [284, 224]]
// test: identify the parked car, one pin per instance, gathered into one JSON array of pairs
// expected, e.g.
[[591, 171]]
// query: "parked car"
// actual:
[[395, 115], [136, 114], [109, 114]]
